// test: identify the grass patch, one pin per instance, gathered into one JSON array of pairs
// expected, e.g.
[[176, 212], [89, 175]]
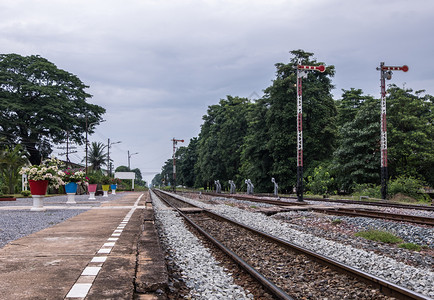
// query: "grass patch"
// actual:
[[410, 246], [336, 221], [253, 206], [379, 236]]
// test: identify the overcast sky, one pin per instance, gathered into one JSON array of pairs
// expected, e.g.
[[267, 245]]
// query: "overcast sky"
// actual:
[[156, 65]]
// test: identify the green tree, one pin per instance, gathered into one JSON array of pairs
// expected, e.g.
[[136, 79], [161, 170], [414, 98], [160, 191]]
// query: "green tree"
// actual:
[[122, 169], [410, 118], [167, 172], [256, 160], [41, 104], [11, 161], [186, 158], [139, 179], [357, 159], [276, 136], [220, 141], [348, 106], [96, 156], [157, 180]]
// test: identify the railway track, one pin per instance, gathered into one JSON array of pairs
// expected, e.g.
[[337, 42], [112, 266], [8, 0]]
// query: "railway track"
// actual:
[[376, 214], [289, 270], [354, 212], [372, 203], [259, 197]]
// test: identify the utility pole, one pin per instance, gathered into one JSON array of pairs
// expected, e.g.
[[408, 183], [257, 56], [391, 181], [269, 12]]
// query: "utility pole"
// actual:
[[85, 170], [108, 156], [175, 141], [301, 73], [109, 166], [67, 150], [129, 156], [386, 73]]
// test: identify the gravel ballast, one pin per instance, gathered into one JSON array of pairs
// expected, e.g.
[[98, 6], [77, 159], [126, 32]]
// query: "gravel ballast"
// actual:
[[418, 279], [202, 274]]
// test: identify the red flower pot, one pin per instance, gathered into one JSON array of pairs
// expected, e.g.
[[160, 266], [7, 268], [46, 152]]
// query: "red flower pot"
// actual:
[[92, 187], [38, 187]]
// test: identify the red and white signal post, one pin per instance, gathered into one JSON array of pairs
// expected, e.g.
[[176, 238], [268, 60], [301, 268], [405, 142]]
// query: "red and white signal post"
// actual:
[[386, 73], [301, 73], [175, 142]]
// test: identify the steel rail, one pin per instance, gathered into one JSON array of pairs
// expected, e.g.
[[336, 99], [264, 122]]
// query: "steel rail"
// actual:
[[383, 285], [345, 211], [346, 201], [373, 203], [376, 214], [270, 286]]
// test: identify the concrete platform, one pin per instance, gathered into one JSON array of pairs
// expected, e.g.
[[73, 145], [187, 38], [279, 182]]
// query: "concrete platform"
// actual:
[[108, 252]]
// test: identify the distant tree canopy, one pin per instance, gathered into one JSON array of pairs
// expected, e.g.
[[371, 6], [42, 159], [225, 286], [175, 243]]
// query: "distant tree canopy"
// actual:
[[41, 104], [139, 179], [240, 139]]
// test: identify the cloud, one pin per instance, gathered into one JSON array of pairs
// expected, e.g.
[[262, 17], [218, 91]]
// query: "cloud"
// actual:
[[156, 65]]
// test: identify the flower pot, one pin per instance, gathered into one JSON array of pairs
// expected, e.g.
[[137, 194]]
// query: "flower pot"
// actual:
[[113, 187], [105, 188], [71, 189], [92, 189], [38, 187]]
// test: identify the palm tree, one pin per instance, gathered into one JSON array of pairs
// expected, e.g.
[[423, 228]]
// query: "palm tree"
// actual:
[[11, 161], [96, 156]]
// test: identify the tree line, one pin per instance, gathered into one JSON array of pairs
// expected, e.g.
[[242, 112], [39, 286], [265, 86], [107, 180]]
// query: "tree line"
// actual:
[[242, 139]]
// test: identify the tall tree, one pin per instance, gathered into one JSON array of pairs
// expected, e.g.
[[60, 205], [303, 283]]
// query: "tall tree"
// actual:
[[256, 160], [185, 161], [167, 173], [279, 130], [220, 140], [348, 106], [41, 104], [410, 118], [357, 159]]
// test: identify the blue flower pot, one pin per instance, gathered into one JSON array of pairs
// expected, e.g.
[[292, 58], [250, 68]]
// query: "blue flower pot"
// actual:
[[71, 187], [113, 186]]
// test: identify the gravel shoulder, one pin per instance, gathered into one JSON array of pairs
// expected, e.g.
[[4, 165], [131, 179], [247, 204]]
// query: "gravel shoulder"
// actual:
[[17, 223]]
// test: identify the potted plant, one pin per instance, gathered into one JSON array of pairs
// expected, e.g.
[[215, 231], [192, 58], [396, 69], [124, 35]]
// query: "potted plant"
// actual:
[[105, 180], [93, 179], [114, 184], [71, 179], [40, 177]]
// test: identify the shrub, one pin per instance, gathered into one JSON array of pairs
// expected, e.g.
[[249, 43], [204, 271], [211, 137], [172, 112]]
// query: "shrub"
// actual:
[[105, 179], [379, 236], [321, 182], [408, 186], [26, 193], [4, 190], [94, 177], [371, 190]]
